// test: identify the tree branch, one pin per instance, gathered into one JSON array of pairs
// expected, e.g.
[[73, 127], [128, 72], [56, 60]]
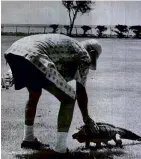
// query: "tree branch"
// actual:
[[75, 14]]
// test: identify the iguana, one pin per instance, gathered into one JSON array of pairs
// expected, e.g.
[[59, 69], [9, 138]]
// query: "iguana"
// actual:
[[106, 133]]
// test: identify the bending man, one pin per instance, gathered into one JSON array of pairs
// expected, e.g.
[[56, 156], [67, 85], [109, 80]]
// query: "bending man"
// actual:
[[49, 61]]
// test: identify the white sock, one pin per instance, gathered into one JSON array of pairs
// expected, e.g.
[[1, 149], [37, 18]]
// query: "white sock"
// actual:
[[61, 145], [28, 133]]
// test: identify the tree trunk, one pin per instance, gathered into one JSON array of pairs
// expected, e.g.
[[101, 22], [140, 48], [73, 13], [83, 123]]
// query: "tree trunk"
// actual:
[[72, 23], [91, 32], [76, 30], [110, 31], [70, 30], [84, 33], [16, 30], [44, 30], [100, 34], [28, 29], [2, 28]]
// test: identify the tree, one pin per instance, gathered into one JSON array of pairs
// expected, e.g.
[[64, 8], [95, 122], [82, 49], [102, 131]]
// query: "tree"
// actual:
[[100, 30], [85, 29], [121, 30], [67, 28], [136, 30], [54, 27], [75, 7]]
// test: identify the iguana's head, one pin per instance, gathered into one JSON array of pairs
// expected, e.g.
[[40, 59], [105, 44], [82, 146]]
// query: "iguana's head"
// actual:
[[84, 134]]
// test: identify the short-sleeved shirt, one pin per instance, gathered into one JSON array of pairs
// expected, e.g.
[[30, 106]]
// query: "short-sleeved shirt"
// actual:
[[63, 53], [58, 57]]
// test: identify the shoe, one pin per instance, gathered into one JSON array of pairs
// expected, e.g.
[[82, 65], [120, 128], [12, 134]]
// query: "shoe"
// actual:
[[35, 145]]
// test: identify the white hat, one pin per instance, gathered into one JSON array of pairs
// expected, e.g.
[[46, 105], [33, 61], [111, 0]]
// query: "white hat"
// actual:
[[94, 49], [92, 44]]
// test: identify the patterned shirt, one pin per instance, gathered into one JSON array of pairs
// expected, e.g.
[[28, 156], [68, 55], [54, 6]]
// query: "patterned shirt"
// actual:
[[58, 56]]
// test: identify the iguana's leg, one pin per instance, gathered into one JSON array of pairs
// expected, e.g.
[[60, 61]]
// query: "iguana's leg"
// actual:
[[107, 144], [87, 144], [118, 140], [98, 144]]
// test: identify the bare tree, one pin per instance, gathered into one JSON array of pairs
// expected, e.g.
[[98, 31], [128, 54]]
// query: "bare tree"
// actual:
[[75, 7]]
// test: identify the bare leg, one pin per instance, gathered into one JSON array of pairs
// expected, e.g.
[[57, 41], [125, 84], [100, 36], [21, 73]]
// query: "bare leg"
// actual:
[[30, 112], [65, 115], [31, 107], [64, 121], [29, 141]]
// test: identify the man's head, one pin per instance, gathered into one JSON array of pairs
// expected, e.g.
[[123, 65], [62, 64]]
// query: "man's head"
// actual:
[[94, 49]]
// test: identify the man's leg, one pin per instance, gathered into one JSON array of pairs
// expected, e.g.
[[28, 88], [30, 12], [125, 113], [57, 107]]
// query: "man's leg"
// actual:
[[64, 121], [29, 141], [64, 116]]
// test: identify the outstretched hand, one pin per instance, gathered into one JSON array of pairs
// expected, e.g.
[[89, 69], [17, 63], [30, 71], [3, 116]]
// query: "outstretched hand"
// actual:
[[92, 125]]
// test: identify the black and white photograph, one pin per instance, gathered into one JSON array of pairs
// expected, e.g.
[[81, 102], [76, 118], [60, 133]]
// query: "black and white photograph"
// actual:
[[71, 79]]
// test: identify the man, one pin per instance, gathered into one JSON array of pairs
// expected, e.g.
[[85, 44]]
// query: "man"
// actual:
[[49, 61]]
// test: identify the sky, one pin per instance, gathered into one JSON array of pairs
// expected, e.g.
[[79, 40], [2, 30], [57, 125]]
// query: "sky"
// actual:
[[53, 12]]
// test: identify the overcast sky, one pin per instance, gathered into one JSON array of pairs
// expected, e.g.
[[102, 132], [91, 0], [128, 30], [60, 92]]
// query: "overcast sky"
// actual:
[[50, 12]]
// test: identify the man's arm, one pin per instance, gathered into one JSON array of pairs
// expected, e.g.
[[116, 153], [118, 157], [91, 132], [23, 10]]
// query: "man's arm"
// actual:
[[82, 99]]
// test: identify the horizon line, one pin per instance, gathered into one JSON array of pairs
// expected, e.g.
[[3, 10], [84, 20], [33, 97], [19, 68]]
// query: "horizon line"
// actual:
[[43, 25]]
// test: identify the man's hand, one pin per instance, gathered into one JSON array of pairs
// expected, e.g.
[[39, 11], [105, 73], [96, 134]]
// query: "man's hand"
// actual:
[[92, 125]]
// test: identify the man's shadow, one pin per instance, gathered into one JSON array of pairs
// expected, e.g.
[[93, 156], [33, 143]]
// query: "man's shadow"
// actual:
[[46, 155], [93, 153]]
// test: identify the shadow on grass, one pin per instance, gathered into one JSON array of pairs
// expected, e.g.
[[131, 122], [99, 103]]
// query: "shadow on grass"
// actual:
[[94, 154]]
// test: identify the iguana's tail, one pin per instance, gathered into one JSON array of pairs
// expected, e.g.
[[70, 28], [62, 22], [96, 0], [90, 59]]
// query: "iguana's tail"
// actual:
[[126, 134]]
